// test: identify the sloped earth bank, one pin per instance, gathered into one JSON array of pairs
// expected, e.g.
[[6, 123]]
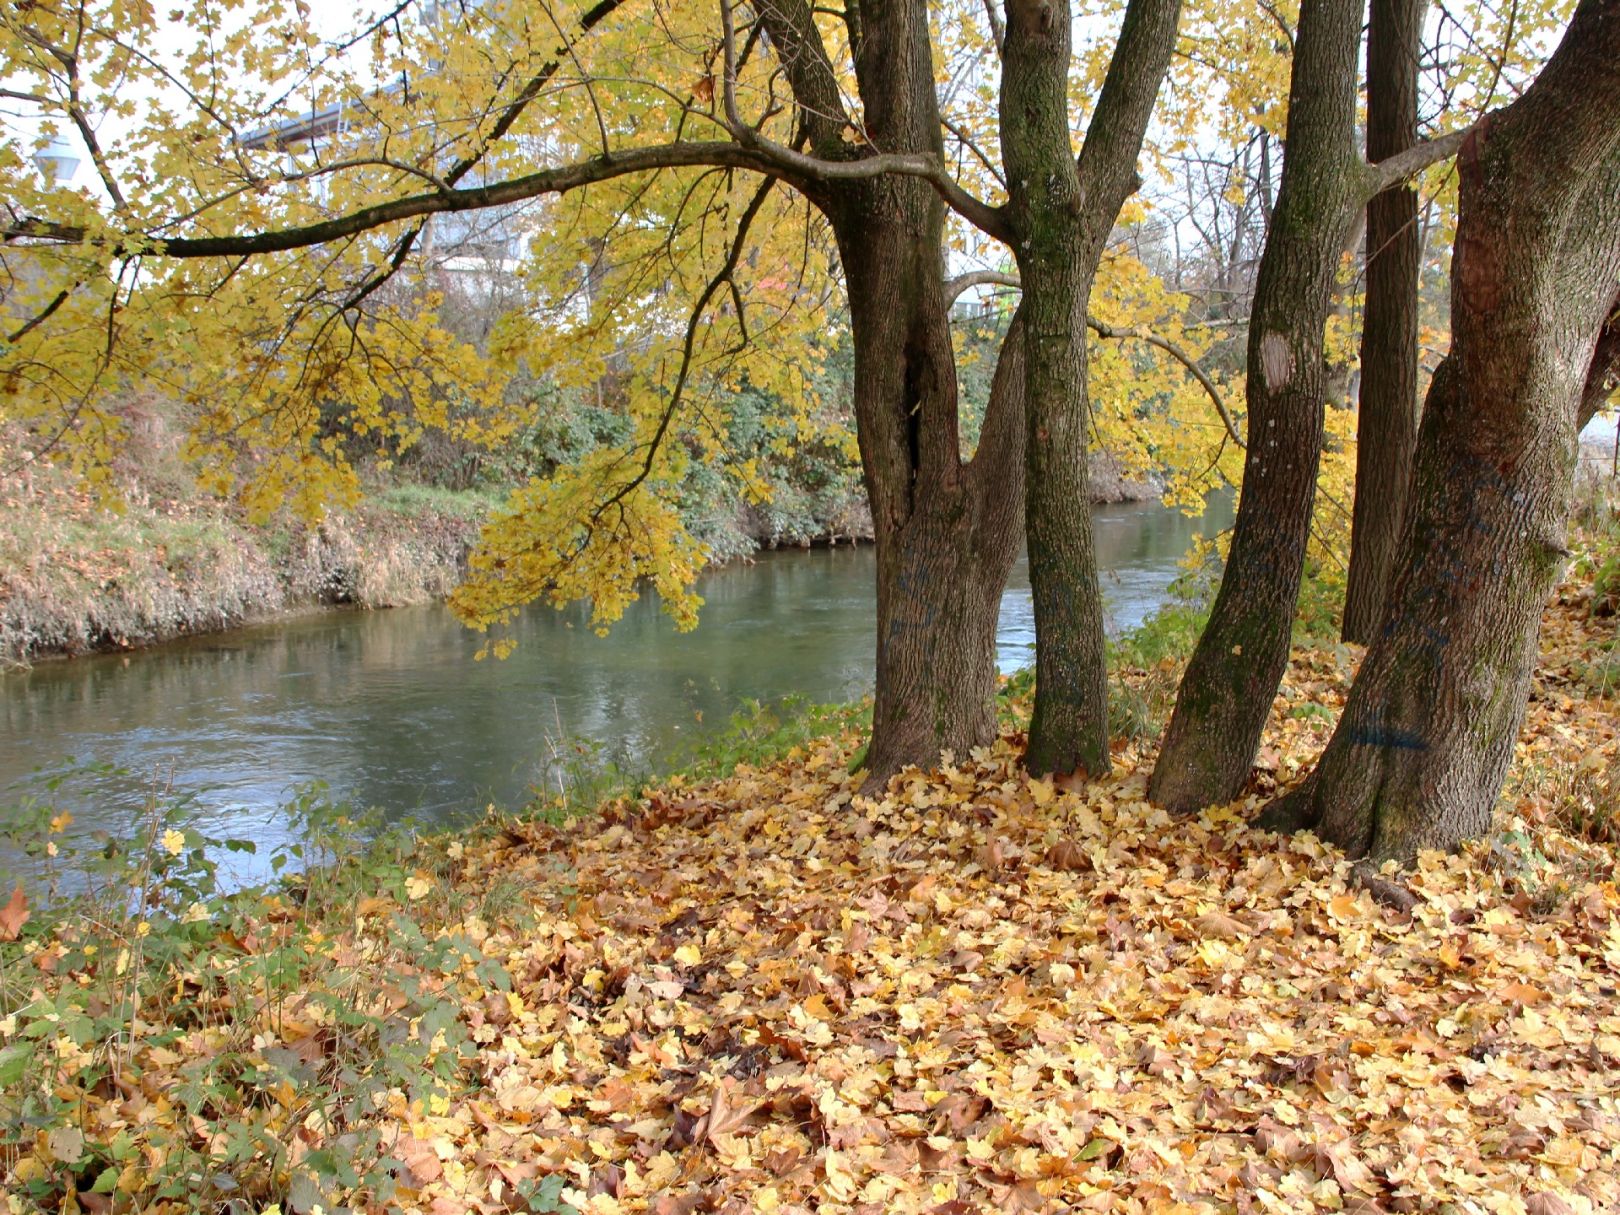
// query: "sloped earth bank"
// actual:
[[981, 993]]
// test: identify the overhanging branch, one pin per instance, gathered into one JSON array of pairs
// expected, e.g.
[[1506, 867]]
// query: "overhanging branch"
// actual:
[[771, 160]]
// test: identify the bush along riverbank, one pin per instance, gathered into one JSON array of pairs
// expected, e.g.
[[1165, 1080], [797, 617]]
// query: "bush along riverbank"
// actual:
[[753, 988], [76, 577]]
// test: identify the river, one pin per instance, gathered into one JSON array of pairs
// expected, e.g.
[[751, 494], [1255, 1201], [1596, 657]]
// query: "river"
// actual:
[[389, 709]]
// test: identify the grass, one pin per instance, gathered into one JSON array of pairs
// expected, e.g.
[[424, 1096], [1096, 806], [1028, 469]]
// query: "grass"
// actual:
[[577, 777], [417, 501]]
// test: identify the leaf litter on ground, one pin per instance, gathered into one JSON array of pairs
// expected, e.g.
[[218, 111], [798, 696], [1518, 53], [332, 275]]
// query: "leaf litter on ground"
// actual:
[[978, 992]]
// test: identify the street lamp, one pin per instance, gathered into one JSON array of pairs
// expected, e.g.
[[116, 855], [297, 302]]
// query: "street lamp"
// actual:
[[58, 161]]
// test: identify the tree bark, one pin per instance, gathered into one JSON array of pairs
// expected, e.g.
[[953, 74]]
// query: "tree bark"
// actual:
[[1232, 678], [1061, 213], [1386, 429], [1426, 737], [947, 531], [946, 535]]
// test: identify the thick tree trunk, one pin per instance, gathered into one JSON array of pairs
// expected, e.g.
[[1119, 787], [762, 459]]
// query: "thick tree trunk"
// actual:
[[1061, 214], [1426, 737], [1386, 430], [1232, 677], [947, 536], [947, 532]]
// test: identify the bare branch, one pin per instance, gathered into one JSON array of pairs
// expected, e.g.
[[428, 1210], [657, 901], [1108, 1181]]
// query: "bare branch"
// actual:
[[1182, 357], [977, 278], [728, 74], [1604, 373], [966, 140], [998, 28], [1397, 168], [41, 317], [694, 322]]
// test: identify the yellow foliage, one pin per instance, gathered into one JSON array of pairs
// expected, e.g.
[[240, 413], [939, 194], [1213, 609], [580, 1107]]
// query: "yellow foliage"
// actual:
[[291, 361]]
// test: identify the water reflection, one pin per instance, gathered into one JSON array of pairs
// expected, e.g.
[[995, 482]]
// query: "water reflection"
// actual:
[[389, 708]]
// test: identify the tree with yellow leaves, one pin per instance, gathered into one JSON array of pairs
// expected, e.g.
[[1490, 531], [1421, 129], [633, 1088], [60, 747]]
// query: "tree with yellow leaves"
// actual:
[[711, 173]]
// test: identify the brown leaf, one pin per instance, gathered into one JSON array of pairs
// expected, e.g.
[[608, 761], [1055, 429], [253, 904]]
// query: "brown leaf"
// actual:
[[515, 1172], [1545, 1202], [1066, 856], [1220, 926], [960, 1111], [1154, 1059], [723, 1117], [1071, 782], [703, 90], [909, 1101], [782, 1161], [1523, 993], [14, 914], [1022, 1197], [419, 1157], [607, 1180]]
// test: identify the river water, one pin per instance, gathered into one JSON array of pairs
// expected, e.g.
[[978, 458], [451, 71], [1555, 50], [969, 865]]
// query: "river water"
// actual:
[[389, 709]]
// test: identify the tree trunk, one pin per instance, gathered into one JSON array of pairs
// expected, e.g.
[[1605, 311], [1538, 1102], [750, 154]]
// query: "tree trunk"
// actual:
[[947, 532], [1061, 214], [1386, 430], [947, 536], [1232, 677], [1421, 751]]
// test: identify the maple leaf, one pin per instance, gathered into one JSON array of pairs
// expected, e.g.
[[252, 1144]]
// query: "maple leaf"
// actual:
[[1545, 1202], [1066, 856]]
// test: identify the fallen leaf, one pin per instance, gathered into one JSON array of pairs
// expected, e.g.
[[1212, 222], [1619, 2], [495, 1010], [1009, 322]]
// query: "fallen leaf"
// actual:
[[66, 1144], [14, 914], [1066, 856], [1545, 1202]]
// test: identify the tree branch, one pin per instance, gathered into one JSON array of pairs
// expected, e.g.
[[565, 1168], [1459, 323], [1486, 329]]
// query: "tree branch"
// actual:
[[954, 287], [792, 29], [771, 160], [1182, 357], [998, 28], [688, 350], [966, 140], [1107, 162], [1000, 278], [1603, 374], [1397, 168]]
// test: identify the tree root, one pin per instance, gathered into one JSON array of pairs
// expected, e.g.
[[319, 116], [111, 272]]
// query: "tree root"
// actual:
[[1293, 811]]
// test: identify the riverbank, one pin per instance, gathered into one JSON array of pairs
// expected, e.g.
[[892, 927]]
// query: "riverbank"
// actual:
[[761, 991], [76, 578]]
